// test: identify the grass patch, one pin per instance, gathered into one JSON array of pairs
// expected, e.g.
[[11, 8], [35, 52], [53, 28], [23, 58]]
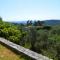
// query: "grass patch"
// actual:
[[7, 54]]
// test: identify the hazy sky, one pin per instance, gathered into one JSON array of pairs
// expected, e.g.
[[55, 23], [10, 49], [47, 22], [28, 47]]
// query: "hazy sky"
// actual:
[[15, 10]]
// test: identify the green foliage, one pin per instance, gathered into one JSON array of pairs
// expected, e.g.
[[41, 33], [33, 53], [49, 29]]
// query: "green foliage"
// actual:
[[0, 19], [4, 33], [38, 23], [41, 41], [14, 39], [10, 31], [45, 40]]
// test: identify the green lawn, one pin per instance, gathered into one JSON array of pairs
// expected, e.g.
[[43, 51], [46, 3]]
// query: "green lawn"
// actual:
[[7, 54]]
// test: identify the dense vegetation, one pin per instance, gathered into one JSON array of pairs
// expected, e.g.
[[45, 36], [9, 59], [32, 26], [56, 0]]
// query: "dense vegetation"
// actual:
[[35, 36]]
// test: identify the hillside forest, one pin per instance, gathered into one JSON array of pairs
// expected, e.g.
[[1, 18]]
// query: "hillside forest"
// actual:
[[36, 36]]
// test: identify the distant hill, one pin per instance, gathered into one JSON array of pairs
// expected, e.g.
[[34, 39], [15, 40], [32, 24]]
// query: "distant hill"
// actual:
[[24, 22], [46, 22], [52, 22], [18, 22]]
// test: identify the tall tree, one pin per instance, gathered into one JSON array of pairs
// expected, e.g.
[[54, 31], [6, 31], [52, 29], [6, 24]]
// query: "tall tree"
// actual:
[[38, 23], [29, 23], [0, 18]]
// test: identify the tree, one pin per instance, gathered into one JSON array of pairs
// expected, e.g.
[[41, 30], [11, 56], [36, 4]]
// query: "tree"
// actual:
[[38, 23], [0, 18], [33, 36], [41, 41], [29, 22]]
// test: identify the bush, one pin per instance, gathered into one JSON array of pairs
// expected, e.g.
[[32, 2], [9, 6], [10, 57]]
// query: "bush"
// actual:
[[4, 33], [14, 39]]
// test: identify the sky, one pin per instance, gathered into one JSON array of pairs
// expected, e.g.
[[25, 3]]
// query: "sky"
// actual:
[[18, 10]]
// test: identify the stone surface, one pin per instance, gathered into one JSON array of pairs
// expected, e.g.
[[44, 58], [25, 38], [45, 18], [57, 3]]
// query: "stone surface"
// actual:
[[23, 50]]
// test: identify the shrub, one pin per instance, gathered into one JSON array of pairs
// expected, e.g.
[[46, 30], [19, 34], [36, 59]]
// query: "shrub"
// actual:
[[14, 39]]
